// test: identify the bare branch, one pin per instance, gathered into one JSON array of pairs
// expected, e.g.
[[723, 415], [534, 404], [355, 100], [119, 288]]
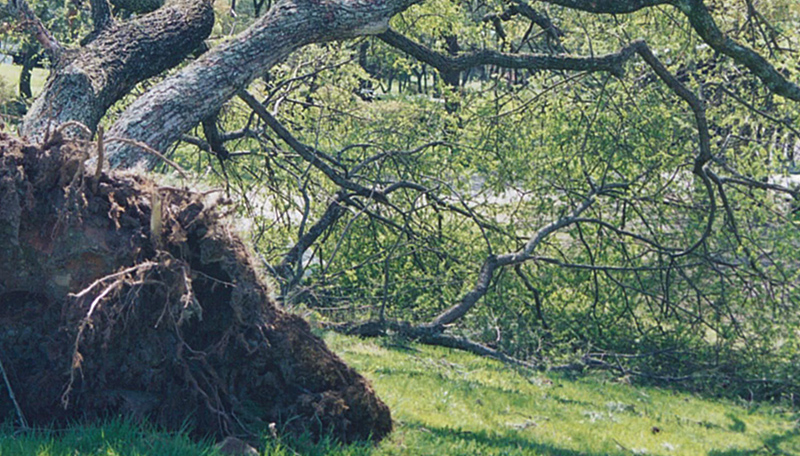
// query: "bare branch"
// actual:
[[611, 63], [493, 262], [609, 6], [705, 26], [308, 154], [286, 268]]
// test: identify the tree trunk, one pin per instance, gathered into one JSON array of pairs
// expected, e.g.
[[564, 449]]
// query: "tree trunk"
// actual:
[[28, 61], [123, 298], [88, 81], [177, 104]]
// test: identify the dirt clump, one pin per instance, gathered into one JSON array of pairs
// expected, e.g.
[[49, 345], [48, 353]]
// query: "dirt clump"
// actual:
[[110, 307]]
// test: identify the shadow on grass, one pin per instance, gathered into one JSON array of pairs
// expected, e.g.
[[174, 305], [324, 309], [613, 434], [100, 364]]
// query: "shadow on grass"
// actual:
[[737, 425], [771, 446], [504, 444], [430, 440]]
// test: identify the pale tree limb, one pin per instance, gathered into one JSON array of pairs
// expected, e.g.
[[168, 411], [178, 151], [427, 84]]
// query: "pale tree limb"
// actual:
[[98, 74], [172, 107]]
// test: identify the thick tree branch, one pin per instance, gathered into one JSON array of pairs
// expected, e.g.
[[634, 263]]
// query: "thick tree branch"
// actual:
[[609, 6], [105, 70], [611, 63], [180, 102], [705, 26]]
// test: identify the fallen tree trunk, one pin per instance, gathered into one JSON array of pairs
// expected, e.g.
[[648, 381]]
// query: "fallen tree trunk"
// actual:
[[121, 297]]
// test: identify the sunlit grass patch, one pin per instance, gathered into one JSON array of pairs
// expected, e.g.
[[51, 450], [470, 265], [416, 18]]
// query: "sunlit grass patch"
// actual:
[[9, 74], [115, 438], [449, 402]]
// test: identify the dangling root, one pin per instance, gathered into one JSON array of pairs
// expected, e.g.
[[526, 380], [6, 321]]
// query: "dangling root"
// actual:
[[119, 280], [176, 331]]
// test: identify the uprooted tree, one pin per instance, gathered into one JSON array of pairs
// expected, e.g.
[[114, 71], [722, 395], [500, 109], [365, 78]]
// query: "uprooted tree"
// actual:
[[144, 294]]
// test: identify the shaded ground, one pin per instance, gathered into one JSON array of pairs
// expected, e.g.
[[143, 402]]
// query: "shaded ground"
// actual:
[[107, 309]]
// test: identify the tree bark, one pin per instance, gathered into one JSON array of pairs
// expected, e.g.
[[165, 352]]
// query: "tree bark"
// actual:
[[93, 78], [180, 102], [138, 6]]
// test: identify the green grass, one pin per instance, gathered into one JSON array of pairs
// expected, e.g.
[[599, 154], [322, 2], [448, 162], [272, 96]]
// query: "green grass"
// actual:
[[451, 403], [9, 74]]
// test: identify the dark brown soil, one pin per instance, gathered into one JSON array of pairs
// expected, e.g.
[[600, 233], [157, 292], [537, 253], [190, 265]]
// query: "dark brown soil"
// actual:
[[101, 316]]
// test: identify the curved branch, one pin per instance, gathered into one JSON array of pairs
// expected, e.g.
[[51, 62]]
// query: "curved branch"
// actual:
[[493, 262], [705, 26], [308, 154], [704, 137], [611, 63], [175, 105], [286, 268], [608, 6]]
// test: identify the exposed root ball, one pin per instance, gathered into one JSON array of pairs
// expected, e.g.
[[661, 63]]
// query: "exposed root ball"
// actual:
[[107, 309]]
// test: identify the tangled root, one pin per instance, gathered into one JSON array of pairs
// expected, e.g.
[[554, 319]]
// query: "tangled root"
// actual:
[[126, 298]]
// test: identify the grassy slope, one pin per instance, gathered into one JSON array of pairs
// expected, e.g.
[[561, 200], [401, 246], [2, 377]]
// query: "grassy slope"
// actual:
[[452, 403], [455, 403]]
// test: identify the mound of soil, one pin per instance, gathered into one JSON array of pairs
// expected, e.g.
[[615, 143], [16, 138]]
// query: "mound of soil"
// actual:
[[121, 297]]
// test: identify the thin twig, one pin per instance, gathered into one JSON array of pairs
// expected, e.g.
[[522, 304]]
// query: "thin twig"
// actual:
[[20, 415], [74, 123], [151, 151], [99, 170]]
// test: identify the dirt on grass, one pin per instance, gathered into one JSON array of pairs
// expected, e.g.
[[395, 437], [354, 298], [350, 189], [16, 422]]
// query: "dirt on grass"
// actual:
[[122, 297]]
